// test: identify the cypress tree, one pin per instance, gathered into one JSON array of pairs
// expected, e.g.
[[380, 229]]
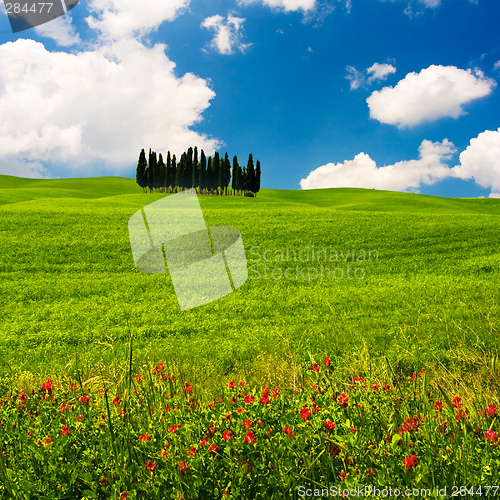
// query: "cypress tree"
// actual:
[[168, 172], [141, 175], [239, 179], [161, 174], [151, 169], [196, 174], [208, 177], [244, 179], [250, 184], [235, 170], [174, 173], [227, 172], [188, 169], [257, 177], [215, 172], [203, 172]]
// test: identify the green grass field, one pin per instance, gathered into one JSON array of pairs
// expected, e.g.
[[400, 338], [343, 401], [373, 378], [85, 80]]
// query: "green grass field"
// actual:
[[352, 372], [430, 297]]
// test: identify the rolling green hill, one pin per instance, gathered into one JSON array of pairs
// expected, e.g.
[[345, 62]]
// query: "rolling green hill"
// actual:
[[429, 297]]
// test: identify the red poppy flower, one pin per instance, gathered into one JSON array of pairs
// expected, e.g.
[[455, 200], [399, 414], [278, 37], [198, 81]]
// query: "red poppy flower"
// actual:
[[410, 462], [329, 426], [65, 430], [247, 424], [343, 400], [150, 466], [213, 449], [144, 437], [250, 437], [316, 367], [227, 435]]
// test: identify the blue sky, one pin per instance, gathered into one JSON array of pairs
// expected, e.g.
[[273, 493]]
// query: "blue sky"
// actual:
[[399, 95]]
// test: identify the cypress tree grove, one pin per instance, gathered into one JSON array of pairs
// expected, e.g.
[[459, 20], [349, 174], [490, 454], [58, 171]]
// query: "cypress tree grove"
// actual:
[[181, 172], [141, 174]]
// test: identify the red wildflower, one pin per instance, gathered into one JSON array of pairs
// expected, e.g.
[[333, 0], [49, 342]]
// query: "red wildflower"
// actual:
[[150, 466], [212, 430], [184, 467], [123, 495], [457, 402], [343, 400], [329, 426], [47, 386], [227, 435], [65, 430], [144, 437], [357, 379], [375, 387], [387, 388], [174, 428], [84, 399], [342, 476], [47, 441], [231, 385], [288, 431], [193, 451], [491, 411], [305, 414], [188, 388], [204, 441], [316, 367], [265, 400], [247, 424], [438, 406], [353, 429], [327, 362], [116, 401], [250, 437], [104, 481], [213, 449], [410, 462], [491, 437], [249, 399], [409, 425]]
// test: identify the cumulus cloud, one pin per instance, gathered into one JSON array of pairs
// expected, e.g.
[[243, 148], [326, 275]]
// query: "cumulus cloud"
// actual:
[[363, 172], [228, 35], [481, 161], [379, 72], [496, 65], [60, 30], [97, 107], [375, 73], [435, 92], [116, 19], [286, 5]]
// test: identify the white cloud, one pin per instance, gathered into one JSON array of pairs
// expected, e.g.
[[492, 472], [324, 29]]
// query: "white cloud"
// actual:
[[117, 19], [60, 30], [98, 107], [287, 5], [496, 65], [227, 36], [375, 73], [357, 78], [363, 172], [435, 92], [379, 72], [481, 160], [494, 195]]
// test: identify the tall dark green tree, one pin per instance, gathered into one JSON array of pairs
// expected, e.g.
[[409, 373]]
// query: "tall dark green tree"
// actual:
[[141, 174], [239, 180], [174, 174], [160, 178], [152, 170], [214, 177], [208, 178], [203, 172], [257, 177], [196, 174], [235, 170], [226, 174], [250, 177], [168, 172]]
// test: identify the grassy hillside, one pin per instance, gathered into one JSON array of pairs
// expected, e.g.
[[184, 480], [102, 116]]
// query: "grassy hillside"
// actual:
[[430, 300]]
